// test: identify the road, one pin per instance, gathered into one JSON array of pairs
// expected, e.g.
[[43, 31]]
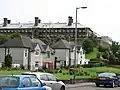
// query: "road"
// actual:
[[92, 87]]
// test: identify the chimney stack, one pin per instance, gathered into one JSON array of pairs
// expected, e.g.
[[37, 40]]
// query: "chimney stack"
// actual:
[[39, 21], [5, 22], [36, 21], [70, 21], [9, 21]]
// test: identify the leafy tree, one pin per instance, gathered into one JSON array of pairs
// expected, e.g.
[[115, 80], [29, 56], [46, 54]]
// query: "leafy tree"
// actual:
[[8, 61], [115, 47], [106, 55], [88, 45], [14, 35], [98, 55]]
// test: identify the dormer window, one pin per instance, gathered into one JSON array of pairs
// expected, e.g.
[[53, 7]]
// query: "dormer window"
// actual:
[[37, 52], [48, 54]]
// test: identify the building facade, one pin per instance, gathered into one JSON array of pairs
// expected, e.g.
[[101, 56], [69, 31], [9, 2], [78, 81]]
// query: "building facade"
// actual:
[[43, 30]]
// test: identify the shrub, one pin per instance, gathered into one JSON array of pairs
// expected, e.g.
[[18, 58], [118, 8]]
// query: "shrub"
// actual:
[[66, 67], [60, 71], [8, 61], [72, 71], [55, 71], [22, 67], [49, 71], [78, 65], [63, 73], [41, 70], [94, 64]]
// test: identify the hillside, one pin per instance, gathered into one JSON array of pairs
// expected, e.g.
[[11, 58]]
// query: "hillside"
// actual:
[[92, 54]]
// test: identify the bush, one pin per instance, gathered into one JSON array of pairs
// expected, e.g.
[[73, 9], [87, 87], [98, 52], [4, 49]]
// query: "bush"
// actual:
[[49, 71], [8, 61], [22, 67], [60, 71], [72, 71], [94, 64], [41, 70], [78, 65], [66, 67], [55, 71]]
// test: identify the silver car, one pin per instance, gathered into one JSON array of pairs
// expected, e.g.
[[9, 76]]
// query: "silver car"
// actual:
[[48, 80]]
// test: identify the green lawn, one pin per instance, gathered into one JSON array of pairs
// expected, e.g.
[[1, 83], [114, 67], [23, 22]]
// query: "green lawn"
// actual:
[[92, 54], [92, 72]]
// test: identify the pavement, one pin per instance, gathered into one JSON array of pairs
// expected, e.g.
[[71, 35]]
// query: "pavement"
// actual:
[[79, 85]]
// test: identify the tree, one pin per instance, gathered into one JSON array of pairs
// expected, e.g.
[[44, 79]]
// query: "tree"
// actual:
[[98, 55], [14, 35], [8, 61], [103, 49], [88, 45], [106, 55]]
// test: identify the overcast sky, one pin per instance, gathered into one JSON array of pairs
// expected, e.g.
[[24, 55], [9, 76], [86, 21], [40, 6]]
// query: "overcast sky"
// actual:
[[102, 16]]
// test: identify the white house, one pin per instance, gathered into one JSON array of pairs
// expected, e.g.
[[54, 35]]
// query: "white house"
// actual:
[[62, 52], [65, 53], [29, 53]]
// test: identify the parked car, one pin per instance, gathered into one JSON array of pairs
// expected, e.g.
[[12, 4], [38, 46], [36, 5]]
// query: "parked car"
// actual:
[[107, 79], [20, 82], [48, 80]]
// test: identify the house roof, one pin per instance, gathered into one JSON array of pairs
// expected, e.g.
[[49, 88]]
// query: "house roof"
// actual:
[[19, 42], [61, 44], [40, 43], [41, 25], [25, 42]]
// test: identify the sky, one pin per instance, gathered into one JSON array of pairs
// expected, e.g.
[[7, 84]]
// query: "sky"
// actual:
[[102, 16]]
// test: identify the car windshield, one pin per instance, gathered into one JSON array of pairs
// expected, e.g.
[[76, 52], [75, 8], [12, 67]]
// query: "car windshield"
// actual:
[[106, 74], [9, 82]]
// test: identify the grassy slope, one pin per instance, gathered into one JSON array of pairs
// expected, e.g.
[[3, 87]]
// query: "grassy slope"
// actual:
[[92, 54]]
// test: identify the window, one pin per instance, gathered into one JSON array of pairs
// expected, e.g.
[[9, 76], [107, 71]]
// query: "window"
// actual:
[[37, 52], [26, 53], [51, 77], [9, 81], [35, 81], [26, 82], [48, 54], [44, 77]]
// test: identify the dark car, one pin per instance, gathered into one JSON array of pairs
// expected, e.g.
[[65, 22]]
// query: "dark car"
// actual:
[[107, 79], [20, 82]]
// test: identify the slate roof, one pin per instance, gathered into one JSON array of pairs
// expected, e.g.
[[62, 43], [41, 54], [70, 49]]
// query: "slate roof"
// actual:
[[61, 44], [19, 42], [40, 43], [25, 42], [41, 25]]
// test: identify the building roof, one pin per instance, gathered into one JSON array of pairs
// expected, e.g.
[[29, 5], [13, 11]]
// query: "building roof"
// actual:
[[40, 43], [41, 25], [61, 44], [19, 42], [25, 42]]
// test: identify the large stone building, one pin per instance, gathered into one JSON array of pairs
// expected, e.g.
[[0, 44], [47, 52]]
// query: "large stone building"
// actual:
[[43, 30]]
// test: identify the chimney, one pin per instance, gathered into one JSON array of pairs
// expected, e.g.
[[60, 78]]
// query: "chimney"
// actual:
[[70, 21], [39, 21], [5, 22], [9, 21], [36, 21]]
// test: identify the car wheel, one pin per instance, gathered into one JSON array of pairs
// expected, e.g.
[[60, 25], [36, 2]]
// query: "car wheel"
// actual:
[[62, 88], [97, 84], [113, 85]]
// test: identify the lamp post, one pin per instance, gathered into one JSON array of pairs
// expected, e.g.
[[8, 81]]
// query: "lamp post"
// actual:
[[76, 39]]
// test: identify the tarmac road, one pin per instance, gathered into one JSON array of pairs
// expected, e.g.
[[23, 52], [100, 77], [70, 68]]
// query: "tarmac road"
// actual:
[[89, 86]]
